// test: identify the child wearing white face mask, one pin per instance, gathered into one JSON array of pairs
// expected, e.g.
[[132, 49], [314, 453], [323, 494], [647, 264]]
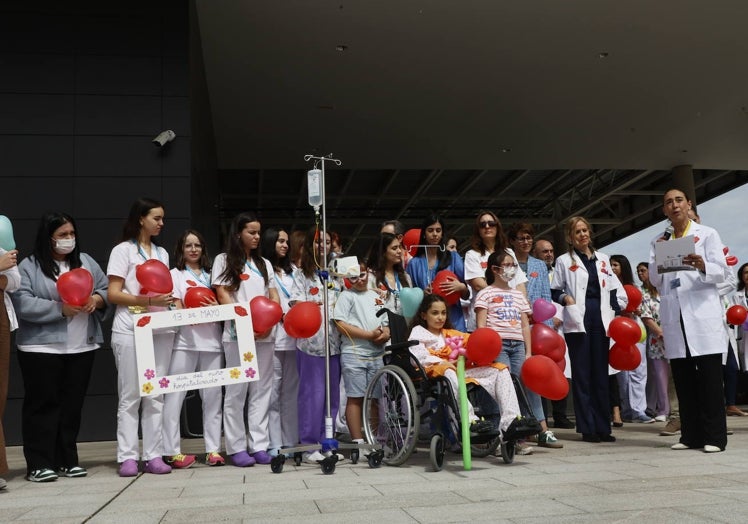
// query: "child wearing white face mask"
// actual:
[[506, 311]]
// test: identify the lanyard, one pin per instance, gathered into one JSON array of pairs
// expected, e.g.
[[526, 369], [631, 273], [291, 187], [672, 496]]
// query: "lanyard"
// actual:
[[142, 253], [280, 284], [252, 267], [202, 277]]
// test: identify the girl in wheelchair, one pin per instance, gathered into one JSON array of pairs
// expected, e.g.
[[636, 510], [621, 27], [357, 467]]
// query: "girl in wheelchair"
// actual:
[[431, 328]]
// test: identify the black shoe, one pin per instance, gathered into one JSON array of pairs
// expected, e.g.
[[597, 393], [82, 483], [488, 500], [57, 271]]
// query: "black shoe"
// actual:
[[522, 427], [590, 437], [606, 437], [483, 427], [563, 423]]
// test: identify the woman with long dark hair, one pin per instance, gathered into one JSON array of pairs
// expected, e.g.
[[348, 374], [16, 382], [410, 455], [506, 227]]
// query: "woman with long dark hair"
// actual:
[[56, 343], [284, 423], [432, 257], [240, 274], [143, 225], [386, 265]]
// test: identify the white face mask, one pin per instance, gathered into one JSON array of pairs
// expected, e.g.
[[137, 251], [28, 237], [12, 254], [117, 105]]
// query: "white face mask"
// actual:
[[64, 246], [508, 274]]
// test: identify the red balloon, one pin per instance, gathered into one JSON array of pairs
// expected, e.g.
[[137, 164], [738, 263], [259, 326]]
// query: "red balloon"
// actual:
[[624, 331], [303, 320], [75, 286], [543, 376], [737, 314], [483, 346], [731, 260], [544, 340], [635, 298], [561, 364], [265, 313], [195, 296], [624, 357], [154, 276], [412, 237], [440, 278]]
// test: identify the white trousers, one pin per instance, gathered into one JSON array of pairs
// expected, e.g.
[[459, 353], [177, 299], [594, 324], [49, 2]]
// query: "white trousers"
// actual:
[[283, 418], [633, 388], [258, 406], [189, 362], [130, 400]]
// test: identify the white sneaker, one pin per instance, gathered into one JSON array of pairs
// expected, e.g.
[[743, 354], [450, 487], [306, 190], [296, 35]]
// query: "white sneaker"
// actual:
[[341, 458], [312, 457], [660, 418], [711, 449], [679, 446]]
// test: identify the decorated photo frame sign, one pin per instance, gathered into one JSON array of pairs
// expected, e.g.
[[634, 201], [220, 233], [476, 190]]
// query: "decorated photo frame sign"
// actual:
[[150, 383]]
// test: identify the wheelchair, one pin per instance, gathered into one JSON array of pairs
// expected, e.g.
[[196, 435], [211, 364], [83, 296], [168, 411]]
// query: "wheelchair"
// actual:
[[400, 394]]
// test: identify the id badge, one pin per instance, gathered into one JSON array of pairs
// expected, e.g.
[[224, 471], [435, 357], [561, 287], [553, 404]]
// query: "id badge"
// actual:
[[675, 283]]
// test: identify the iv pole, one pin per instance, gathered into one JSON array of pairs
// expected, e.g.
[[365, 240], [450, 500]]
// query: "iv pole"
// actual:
[[329, 443]]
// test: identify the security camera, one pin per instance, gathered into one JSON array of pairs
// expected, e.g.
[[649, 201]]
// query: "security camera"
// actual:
[[164, 137]]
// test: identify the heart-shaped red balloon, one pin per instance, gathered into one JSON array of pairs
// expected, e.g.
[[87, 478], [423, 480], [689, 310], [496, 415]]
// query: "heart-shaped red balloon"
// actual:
[[195, 296], [411, 237], [544, 340], [303, 320], [543, 376], [265, 313], [442, 277], [75, 286], [634, 296], [154, 276]]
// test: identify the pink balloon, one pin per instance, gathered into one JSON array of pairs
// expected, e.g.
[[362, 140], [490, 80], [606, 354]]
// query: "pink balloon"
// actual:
[[75, 286], [542, 310]]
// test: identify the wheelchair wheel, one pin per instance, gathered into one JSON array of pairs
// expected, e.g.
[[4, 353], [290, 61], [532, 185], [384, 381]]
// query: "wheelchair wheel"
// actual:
[[391, 415], [507, 451], [484, 449], [436, 452]]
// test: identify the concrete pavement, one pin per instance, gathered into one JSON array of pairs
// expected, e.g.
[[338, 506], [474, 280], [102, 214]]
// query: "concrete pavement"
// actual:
[[638, 478]]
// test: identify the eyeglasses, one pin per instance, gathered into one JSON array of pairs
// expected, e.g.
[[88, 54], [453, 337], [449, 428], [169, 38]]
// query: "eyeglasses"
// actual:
[[505, 266], [360, 276], [488, 223], [523, 239]]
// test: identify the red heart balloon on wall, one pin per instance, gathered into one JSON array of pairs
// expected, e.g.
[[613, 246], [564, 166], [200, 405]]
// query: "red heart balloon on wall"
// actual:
[[154, 276], [195, 296], [75, 286], [303, 320], [265, 313]]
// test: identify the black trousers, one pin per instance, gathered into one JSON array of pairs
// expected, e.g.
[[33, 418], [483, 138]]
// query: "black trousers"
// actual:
[[698, 383], [54, 388]]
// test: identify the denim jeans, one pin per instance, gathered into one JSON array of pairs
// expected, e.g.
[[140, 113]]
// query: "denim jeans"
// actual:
[[513, 355]]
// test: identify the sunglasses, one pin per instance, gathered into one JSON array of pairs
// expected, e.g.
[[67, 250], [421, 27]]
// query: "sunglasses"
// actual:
[[488, 223]]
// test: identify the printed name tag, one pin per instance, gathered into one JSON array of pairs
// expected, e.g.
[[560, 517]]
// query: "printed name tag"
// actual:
[[675, 283]]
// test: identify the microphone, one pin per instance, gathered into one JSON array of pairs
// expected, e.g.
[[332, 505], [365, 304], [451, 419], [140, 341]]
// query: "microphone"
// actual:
[[668, 233]]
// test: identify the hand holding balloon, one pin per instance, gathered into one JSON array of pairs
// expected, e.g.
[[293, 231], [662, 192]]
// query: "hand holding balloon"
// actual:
[[9, 259]]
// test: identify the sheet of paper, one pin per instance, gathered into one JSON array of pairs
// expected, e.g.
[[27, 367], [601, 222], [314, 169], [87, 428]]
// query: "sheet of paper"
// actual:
[[669, 255]]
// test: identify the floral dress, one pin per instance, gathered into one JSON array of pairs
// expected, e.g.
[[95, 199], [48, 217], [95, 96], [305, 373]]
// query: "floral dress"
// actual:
[[650, 308]]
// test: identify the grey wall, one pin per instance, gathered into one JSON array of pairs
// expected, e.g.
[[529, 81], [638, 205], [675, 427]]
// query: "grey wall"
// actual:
[[82, 94]]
